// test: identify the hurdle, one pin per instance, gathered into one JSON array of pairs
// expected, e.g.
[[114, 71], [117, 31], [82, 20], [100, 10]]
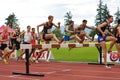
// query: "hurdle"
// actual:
[[97, 45], [30, 46]]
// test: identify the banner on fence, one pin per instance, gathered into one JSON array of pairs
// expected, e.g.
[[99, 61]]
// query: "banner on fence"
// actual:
[[44, 56], [112, 57]]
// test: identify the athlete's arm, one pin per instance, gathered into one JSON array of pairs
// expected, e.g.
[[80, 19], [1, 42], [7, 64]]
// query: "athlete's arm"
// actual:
[[40, 26], [92, 27], [57, 26]]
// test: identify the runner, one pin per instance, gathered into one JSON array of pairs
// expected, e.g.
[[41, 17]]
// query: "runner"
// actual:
[[103, 38], [27, 40], [117, 35], [80, 30], [15, 40], [4, 41], [33, 42], [47, 26], [70, 32]]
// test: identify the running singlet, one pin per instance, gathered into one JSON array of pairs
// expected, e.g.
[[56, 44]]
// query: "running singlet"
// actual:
[[67, 33], [80, 29], [27, 37], [13, 39], [104, 29], [4, 36], [18, 37], [33, 41], [117, 35], [4, 44], [47, 28]]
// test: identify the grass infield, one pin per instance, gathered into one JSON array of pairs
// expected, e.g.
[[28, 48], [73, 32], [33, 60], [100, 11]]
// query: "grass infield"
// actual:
[[83, 54]]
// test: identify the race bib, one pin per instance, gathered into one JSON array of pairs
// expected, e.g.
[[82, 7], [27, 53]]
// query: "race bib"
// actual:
[[49, 31], [18, 39], [106, 31]]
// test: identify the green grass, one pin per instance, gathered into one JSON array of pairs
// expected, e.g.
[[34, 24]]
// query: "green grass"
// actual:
[[84, 54]]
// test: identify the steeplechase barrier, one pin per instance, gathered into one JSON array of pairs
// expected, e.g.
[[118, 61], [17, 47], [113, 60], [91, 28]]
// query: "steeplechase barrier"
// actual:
[[30, 46]]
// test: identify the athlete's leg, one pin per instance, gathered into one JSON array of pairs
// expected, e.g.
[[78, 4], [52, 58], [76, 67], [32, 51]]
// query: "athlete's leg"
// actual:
[[5, 55], [22, 52], [113, 40], [102, 41], [103, 45], [118, 48], [82, 36], [75, 36], [49, 36]]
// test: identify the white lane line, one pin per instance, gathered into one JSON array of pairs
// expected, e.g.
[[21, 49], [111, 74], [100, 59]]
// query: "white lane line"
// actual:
[[105, 71], [19, 77], [64, 70]]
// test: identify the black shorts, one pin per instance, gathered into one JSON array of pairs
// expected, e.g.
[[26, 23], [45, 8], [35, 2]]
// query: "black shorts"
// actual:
[[118, 40], [78, 33], [26, 43], [17, 45], [3, 46], [13, 42], [46, 39]]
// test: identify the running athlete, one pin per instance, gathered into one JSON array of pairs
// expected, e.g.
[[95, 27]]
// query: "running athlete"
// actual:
[[33, 42], [103, 38], [4, 41], [47, 26], [70, 32], [80, 30], [27, 40], [117, 35]]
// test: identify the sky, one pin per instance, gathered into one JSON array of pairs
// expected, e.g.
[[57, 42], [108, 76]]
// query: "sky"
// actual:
[[34, 12]]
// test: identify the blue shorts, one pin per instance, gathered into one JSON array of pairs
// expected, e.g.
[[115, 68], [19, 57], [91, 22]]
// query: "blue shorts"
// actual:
[[66, 38], [100, 38]]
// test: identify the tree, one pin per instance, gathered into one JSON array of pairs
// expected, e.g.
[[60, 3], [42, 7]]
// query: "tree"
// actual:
[[68, 17], [105, 12], [93, 33], [101, 16], [117, 16], [58, 33], [12, 21]]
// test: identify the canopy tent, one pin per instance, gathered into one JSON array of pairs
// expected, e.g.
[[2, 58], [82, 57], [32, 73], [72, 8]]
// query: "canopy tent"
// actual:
[[10, 30]]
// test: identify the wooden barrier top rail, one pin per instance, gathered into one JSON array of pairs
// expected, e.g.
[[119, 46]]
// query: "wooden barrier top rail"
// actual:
[[30, 46]]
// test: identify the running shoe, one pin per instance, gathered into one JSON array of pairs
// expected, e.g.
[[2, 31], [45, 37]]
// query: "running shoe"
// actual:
[[107, 67], [32, 59], [36, 61], [5, 61]]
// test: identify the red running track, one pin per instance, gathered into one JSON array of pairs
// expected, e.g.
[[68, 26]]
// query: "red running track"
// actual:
[[59, 71]]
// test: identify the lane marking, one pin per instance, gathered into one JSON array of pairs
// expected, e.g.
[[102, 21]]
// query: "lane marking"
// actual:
[[19, 77], [52, 72]]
